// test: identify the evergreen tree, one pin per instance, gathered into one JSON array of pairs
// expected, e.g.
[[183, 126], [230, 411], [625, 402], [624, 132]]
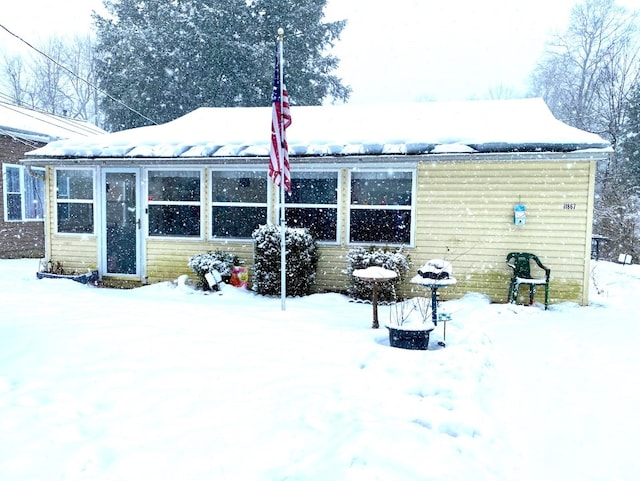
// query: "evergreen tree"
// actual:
[[165, 59]]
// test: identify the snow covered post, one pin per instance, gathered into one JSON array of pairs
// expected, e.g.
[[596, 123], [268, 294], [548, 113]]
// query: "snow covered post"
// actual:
[[375, 275], [278, 154], [283, 223]]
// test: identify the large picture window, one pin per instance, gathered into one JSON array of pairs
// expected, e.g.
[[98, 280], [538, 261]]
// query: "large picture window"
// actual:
[[313, 203], [23, 193], [380, 207], [174, 203], [74, 201], [238, 204]]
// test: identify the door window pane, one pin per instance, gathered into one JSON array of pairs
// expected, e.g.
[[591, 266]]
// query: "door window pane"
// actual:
[[121, 222]]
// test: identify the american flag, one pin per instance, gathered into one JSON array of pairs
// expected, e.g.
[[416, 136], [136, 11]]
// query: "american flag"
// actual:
[[280, 120]]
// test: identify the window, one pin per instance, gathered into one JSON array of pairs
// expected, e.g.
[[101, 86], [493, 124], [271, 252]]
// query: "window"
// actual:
[[381, 205], [238, 204], [313, 203], [23, 193], [74, 201], [174, 203]]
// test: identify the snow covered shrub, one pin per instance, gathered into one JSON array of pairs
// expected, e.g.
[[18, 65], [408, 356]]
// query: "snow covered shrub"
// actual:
[[301, 260], [220, 261], [362, 257]]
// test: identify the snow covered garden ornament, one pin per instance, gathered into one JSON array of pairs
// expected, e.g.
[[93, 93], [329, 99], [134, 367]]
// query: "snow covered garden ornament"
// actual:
[[411, 321], [409, 324], [218, 261], [375, 275], [436, 269]]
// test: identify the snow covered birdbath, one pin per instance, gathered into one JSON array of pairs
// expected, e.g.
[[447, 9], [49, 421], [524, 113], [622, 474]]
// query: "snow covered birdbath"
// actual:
[[375, 275]]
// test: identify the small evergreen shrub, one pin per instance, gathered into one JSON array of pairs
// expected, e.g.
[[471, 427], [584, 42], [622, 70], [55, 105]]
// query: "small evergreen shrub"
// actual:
[[301, 260], [222, 262], [362, 257]]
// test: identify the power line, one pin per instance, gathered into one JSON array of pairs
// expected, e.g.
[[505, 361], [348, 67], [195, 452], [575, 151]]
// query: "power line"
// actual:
[[76, 76]]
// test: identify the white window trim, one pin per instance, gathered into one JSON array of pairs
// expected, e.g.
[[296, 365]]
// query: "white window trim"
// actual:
[[411, 207], [147, 203], [21, 176], [213, 203], [92, 201], [335, 206]]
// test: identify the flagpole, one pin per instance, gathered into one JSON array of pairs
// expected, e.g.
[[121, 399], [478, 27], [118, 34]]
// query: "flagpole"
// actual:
[[283, 224]]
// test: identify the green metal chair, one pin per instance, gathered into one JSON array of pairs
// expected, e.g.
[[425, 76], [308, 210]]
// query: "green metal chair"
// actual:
[[520, 263]]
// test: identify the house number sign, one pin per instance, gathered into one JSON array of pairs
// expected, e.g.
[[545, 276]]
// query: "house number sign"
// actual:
[[569, 206]]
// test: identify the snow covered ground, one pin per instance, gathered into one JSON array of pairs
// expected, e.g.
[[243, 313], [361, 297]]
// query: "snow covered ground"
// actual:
[[167, 383]]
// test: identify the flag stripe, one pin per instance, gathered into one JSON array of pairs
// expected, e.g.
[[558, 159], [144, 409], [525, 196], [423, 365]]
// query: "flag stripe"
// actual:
[[279, 169]]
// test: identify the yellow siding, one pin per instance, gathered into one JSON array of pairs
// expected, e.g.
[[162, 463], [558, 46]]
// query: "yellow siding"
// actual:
[[330, 266], [466, 217], [464, 214], [75, 252], [168, 258]]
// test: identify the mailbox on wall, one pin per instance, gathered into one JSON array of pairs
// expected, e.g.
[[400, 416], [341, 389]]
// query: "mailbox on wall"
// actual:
[[519, 214]]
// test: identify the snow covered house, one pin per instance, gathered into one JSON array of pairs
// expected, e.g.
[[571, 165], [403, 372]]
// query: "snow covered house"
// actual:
[[21, 189], [445, 180]]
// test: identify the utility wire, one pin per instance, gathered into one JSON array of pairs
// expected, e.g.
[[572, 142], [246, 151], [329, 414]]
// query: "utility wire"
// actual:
[[78, 77]]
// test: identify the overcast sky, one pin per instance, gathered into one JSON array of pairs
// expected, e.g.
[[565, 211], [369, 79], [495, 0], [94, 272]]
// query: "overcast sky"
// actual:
[[404, 50]]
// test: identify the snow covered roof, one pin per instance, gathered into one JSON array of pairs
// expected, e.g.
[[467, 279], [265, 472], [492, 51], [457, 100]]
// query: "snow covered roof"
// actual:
[[42, 127], [524, 125]]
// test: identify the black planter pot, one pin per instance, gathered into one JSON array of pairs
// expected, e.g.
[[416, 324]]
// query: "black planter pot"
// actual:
[[409, 339], [89, 277]]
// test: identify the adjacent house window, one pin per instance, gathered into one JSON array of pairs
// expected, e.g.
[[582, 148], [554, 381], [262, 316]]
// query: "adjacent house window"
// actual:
[[238, 203], [74, 201], [313, 203], [174, 203], [23, 193], [381, 207]]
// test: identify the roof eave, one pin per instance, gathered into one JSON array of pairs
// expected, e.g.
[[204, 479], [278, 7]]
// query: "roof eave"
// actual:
[[581, 152]]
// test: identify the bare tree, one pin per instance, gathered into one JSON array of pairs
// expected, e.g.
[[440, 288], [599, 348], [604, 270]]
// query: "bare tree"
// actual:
[[500, 92], [57, 77], [80, 59], [15, 83], [49, 78], [587, 76], [587, 72]]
